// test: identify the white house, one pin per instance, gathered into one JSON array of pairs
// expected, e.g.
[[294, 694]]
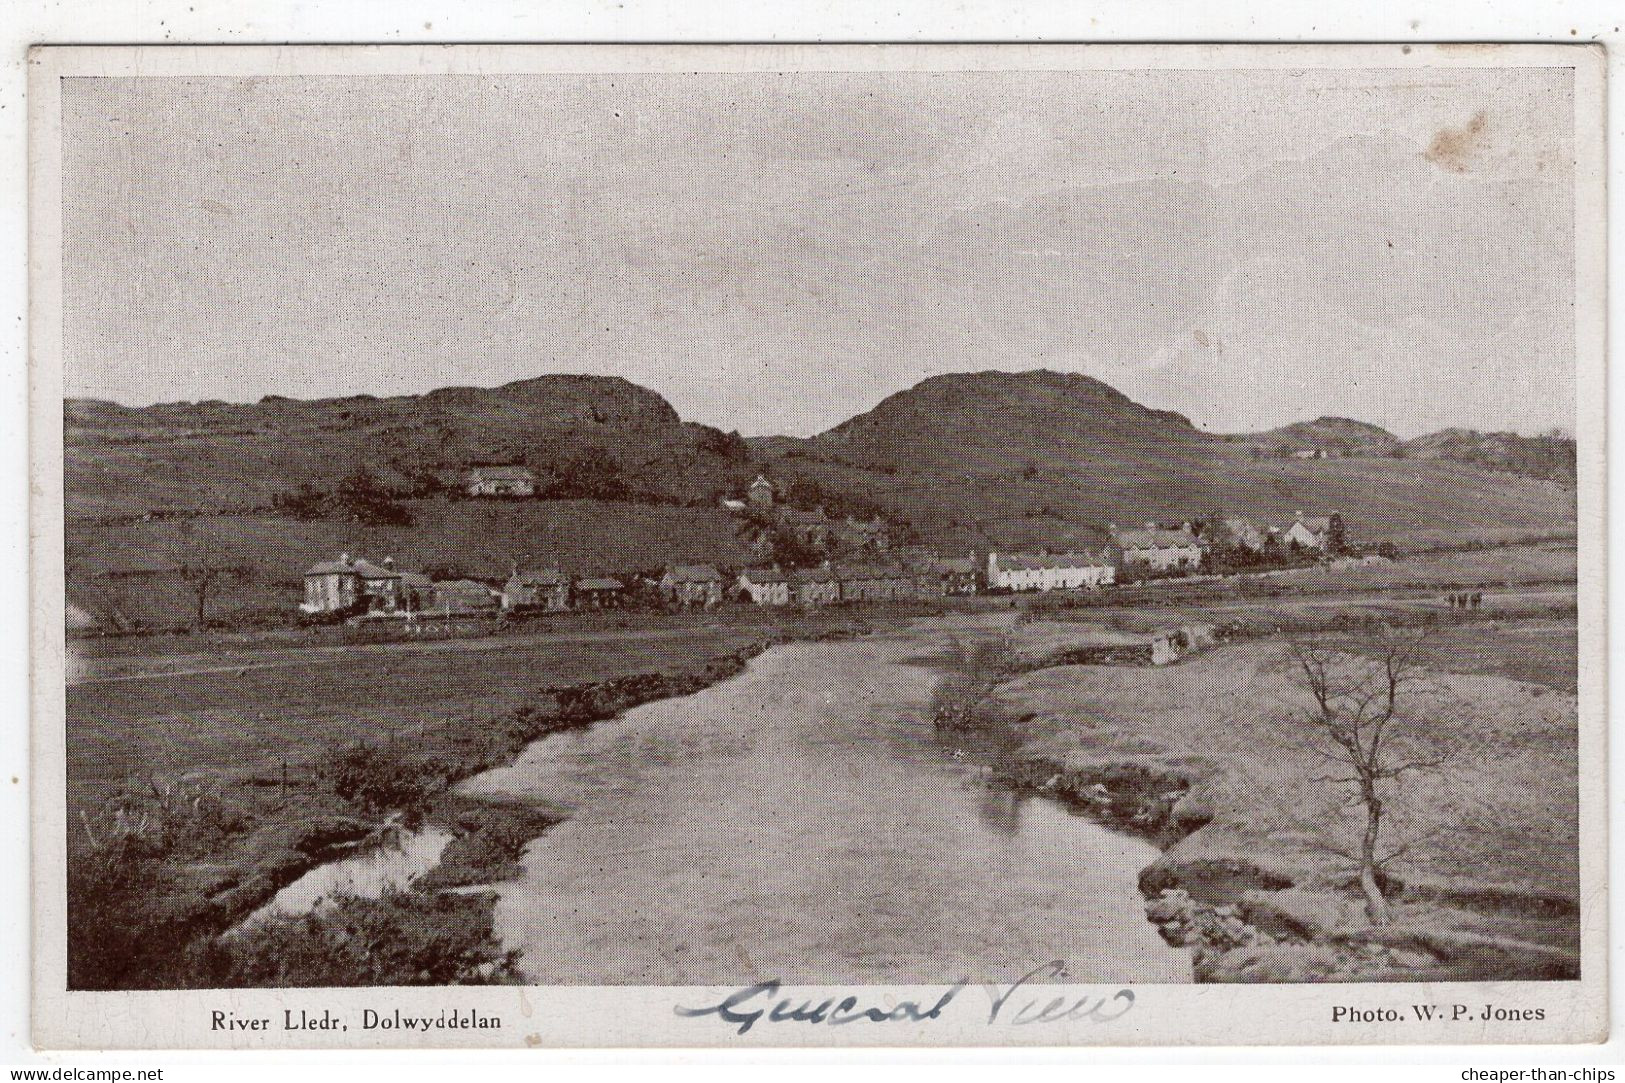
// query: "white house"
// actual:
[[501, 481], [1044, 572], [1323, 533]]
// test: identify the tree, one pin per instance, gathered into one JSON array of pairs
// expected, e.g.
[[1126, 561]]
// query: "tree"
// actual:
[[205, 567], [1361, 696]]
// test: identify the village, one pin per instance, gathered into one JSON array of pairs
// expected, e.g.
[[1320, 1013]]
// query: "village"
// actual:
[[834, 562]]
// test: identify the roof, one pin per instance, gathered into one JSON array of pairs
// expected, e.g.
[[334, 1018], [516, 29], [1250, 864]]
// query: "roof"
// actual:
[[763, 576], [414, 579], [463, 586], [502, 473], [957, 565], [693, 573], [871, 571], [366, 569], [330, 567], [1154, 538], [600, 584], [1317, 523], [1027, 562], [796, 515], [546, 577], [814, 575]]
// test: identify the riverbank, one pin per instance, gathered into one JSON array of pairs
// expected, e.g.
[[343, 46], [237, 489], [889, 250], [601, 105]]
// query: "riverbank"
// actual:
[[163, 866], [1208, 759]]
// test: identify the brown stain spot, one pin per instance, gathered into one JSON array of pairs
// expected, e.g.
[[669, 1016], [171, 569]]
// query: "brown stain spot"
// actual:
[[1453, 148], [533, 1040]]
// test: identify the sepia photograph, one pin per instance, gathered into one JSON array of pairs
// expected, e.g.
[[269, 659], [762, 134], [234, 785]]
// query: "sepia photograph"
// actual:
[[756, 528]]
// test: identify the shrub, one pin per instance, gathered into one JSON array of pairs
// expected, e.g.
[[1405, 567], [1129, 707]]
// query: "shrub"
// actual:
[[384, 778], [402, 938]]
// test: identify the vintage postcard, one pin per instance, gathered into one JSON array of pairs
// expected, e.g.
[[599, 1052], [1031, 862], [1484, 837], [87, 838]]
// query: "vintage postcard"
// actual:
[[819, 545]]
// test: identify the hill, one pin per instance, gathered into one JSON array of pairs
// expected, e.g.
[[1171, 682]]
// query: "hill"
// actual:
[[976, 460], [1333, 435], [1045, 459], [576, 432], [1551, 457], [989, 421]]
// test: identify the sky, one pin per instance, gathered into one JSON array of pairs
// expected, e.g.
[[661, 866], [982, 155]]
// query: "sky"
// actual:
[[774, 253]]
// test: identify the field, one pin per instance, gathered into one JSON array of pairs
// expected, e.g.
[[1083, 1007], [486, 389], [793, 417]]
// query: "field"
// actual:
[[204, 776], [1488, 883], [1052, 502], [238, 707], [131, 566]]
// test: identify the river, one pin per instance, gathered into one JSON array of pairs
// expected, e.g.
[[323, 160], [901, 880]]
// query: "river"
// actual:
[[802, 822]]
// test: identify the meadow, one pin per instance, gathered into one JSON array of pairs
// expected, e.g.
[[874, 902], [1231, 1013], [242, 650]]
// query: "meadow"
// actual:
[[1487, 881]]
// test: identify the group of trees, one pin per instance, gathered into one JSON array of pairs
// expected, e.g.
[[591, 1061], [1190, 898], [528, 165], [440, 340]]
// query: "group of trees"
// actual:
[[360, 497]]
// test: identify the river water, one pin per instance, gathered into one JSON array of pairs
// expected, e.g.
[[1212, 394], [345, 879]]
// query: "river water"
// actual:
[[801, 822]]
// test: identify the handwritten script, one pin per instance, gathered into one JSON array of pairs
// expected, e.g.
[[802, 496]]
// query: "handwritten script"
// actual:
[[1009, 1005]]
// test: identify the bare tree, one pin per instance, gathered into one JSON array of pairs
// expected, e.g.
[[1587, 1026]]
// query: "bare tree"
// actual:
[[205, 567], [1361, 696]]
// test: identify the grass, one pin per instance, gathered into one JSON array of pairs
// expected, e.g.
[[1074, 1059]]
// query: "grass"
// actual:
[[333, 742], [131, 566], [1414, 504], [1492, 858], [286, 704]]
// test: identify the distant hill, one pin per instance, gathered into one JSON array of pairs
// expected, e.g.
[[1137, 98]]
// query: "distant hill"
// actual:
[[974, 460], [123, 460], [991, 421], [1333, 435], [1050, 459], [1550, 457]]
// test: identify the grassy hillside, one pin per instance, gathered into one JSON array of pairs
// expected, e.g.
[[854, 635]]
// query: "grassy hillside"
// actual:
[[1065, 502], [977, 460], [1334, 435], [214, 456], [1536, 456], [1049, 459]]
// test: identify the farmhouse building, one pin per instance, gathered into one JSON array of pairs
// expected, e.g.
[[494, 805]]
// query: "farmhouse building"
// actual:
[[815, 586], [761, 492], [1155, 548], [872, 534], [875, 583], [811, 528], [692, 584], [1322, 533], [501, 481], [547, 590], [765, 586], [352, 584], [599, 592], [959, 575], [417, 592], [1237, 534], [1043, 572], [464, 598]]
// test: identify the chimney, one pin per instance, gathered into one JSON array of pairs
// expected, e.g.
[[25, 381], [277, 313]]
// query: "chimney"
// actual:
[[389, 563], [344, 558], [1151, 526]]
